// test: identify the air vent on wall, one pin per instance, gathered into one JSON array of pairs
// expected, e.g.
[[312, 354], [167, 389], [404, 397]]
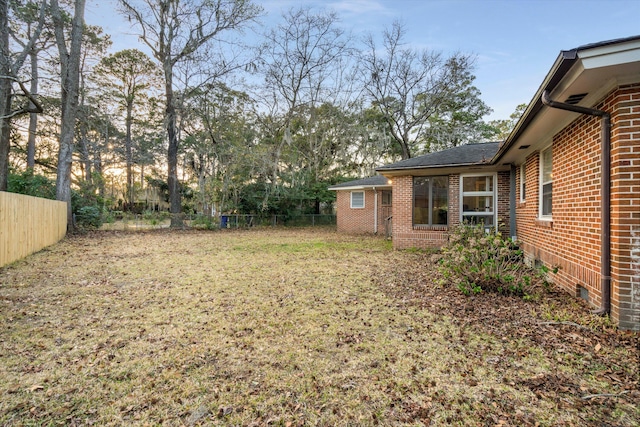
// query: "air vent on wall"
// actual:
[[574, 99]]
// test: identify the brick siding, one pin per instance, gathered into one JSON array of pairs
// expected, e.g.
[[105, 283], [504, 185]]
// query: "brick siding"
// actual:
[[504, 187], [360, 221], [572, 239], [406, 235]]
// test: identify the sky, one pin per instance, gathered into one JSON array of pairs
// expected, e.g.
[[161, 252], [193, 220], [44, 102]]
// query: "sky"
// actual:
[[515, 42]]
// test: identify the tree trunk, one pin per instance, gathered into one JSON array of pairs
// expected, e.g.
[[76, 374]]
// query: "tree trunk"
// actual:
[[5, 95], [33, 117], [175, 205], [86, 163], [97, 165], [86, 156], [70, 66], [128, 155]]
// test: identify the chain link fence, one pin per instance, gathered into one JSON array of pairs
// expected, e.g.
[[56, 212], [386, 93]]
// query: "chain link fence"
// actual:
[[227, 221]]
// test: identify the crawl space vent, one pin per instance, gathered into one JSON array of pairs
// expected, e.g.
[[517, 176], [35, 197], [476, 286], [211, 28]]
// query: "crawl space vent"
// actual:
[[584, 293], [574, 99]]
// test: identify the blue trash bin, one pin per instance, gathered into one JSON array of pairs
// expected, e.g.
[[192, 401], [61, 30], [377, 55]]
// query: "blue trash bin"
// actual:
[[223, 221]]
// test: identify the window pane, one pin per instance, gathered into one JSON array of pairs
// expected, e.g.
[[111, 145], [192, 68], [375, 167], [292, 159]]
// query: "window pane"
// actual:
[[477, 183], [440, 197], [357, 199], [477, 204], [546, 166], [386, 198], [478, 219], [430, 200], [421, 200], [547, 191], [523, 182]]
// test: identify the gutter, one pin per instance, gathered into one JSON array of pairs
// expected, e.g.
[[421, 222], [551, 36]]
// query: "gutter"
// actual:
[[560, 68], [605, 195]]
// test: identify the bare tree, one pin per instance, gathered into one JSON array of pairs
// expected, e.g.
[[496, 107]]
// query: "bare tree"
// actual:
[[70, 82], [175, 30], [10, 63], [409, 86], [305, 61]]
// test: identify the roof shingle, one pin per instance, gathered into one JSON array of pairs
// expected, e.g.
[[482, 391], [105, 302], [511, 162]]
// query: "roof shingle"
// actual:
[[469, 154]]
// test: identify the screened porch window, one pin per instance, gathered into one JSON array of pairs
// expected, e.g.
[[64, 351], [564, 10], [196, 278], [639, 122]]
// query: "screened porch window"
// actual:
[[478, 195], [430, 200]]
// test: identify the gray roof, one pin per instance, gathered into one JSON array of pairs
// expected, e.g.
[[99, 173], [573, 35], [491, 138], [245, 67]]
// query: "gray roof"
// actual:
[[462, 155], [372, 181]]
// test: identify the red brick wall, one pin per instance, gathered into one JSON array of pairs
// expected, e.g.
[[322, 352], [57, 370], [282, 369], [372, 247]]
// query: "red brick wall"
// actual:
[[360, 221], [624, 105], [405, 235], [504, 187], [572, 239]]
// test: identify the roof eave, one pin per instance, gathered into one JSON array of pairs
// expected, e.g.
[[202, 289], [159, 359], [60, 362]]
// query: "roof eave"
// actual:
[[561, 66], [457, 165], [360, 187]]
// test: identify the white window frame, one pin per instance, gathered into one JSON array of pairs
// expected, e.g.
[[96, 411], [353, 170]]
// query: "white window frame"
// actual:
[[363, 199], [493, 193], [542, 183], [523, 182]]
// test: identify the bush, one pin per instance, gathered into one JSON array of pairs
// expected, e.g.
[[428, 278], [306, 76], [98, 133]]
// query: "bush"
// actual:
[[89, 217], [206, 222], [477, 260], [32, 185]]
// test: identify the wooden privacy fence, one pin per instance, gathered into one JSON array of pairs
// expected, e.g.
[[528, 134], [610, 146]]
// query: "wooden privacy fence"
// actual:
[[28, 224]]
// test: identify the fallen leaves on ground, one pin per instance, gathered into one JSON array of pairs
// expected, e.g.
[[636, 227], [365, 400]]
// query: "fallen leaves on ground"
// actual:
[[292, 327]]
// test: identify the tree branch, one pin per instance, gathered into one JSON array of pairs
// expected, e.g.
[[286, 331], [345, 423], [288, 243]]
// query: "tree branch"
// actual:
[[38, 107]]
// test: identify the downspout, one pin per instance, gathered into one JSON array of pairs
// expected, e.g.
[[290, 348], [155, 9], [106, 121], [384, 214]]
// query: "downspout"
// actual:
[[605, 195], [375, 211], [512, 203]]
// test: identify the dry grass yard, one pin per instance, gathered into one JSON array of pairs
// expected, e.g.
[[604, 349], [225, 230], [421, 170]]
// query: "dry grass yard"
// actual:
[[292, 327]]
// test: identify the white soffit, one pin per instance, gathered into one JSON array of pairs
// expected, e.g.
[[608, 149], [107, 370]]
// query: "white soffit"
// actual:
[[598, 71]]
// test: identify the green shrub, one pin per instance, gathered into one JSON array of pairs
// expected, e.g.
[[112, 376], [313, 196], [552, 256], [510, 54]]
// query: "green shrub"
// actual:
[[31, 184], [477, 260], [89, 217], [206, 222]]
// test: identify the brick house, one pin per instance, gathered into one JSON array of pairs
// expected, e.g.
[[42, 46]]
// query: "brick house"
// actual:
[[438, 190], [364, 205], [575, 167], [565, 183]]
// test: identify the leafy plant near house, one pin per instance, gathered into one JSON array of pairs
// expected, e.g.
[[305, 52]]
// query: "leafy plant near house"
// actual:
[[477, 260]]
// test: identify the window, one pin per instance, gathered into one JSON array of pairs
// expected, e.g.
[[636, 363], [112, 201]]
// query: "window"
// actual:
[[546, 182], [523, 182], [430, 200], [386, 198], [478, 195], [357, 199]]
